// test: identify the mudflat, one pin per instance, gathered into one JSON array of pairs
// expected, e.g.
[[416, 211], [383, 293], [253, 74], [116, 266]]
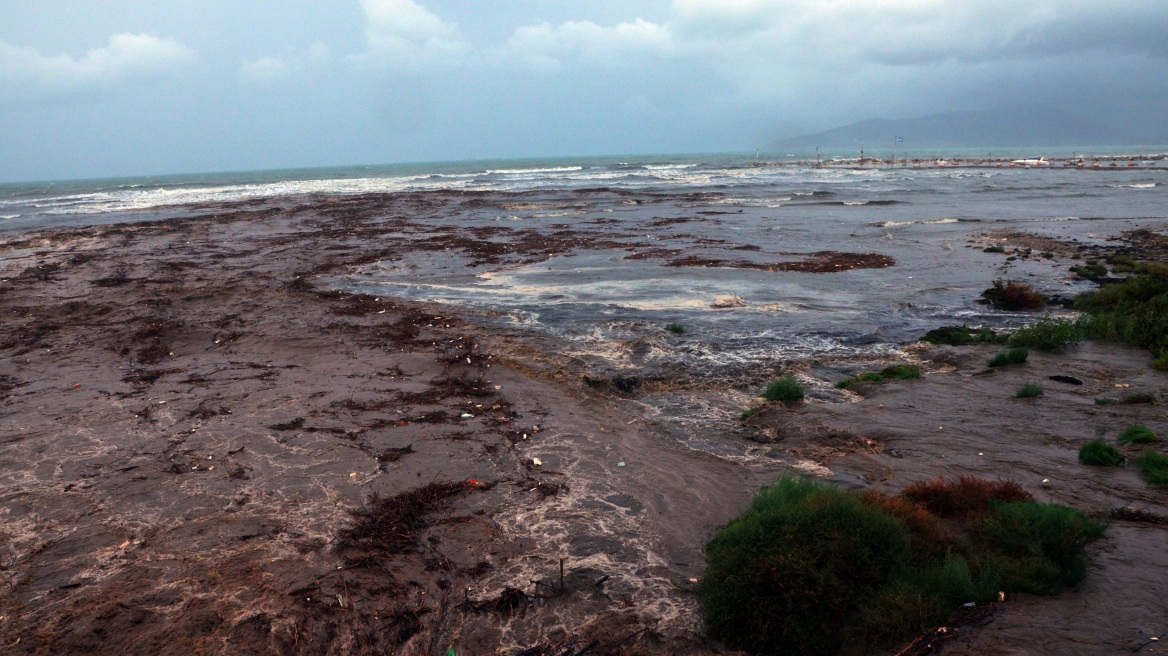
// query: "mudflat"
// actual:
[[204, 449]]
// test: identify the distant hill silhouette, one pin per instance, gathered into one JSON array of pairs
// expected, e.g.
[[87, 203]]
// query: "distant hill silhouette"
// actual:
[[1018, 127]]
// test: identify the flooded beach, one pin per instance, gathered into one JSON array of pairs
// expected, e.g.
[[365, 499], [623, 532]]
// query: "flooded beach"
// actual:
[[202, 402]]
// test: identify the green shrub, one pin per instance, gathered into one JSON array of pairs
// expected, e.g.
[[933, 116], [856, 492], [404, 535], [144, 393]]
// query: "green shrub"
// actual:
[[784, 390], [812, 569], [1100, 454], [1137, 434], [1029, 391], [1010, 356], [1160, 362], [792, 572], [994, 249], [1155, 466], [1134, 312], [1036, 547], [675, 328], [747, 414], [1049, 334], [894, 372], [1090, 271], [962, 336], [1009, 295]]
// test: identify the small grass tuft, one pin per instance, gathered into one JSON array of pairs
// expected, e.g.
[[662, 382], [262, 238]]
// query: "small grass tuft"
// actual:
[[1100, 454], [675, 328], [747, 414], [1155, 466], [1160, 363], [784, 390], [1137, 434], [1011, 356], [1029, 391], [894, 372]]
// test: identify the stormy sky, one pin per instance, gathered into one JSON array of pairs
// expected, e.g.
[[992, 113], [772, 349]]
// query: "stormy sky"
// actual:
[[125, 87]]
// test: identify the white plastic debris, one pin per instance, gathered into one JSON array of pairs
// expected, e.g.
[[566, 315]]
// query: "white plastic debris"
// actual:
[[467, 415], [536, 461], [620, 464]]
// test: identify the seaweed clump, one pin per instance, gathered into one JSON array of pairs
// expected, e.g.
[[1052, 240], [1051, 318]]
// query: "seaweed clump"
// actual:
[[814, 569], [390, 526]]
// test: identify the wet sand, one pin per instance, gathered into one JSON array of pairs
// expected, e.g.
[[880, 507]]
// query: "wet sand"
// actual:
[[189, 418]]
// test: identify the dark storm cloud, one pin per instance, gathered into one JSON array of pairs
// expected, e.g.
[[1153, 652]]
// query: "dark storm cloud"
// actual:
[[126, 87]]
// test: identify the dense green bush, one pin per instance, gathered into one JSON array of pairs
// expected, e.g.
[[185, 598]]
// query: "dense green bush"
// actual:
[[1137, 434], [1101, 454], [812, 569], [675, 328], [1010, 356], [784, 390], [790, 574], [1133, 312], [1036, 547], [1049, 334]]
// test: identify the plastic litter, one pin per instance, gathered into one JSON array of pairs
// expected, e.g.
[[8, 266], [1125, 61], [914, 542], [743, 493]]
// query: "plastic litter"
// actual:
[[620, 464], [467, 415], [536, 461]]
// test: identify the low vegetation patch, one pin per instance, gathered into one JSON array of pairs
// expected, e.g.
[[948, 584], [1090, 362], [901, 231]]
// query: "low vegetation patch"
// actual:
[[1137, 434], [1049, 334], [1028, 391], [1013, 296], [1092, 270], [894, 372], [1017, 355], [963, 336], [748, 413], [1100, 454], [1134, 312], [784, 390], [675, 328], [1155, 466], [813, 569]]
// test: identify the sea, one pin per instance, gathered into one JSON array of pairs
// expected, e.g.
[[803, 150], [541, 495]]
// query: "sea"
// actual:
[[608, 312]]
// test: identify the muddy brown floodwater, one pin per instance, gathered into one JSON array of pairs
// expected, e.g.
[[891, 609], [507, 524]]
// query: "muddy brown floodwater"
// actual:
[[204, 450]]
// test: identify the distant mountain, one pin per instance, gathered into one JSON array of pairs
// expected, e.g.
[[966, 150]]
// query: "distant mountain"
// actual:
[[1019, 127]]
